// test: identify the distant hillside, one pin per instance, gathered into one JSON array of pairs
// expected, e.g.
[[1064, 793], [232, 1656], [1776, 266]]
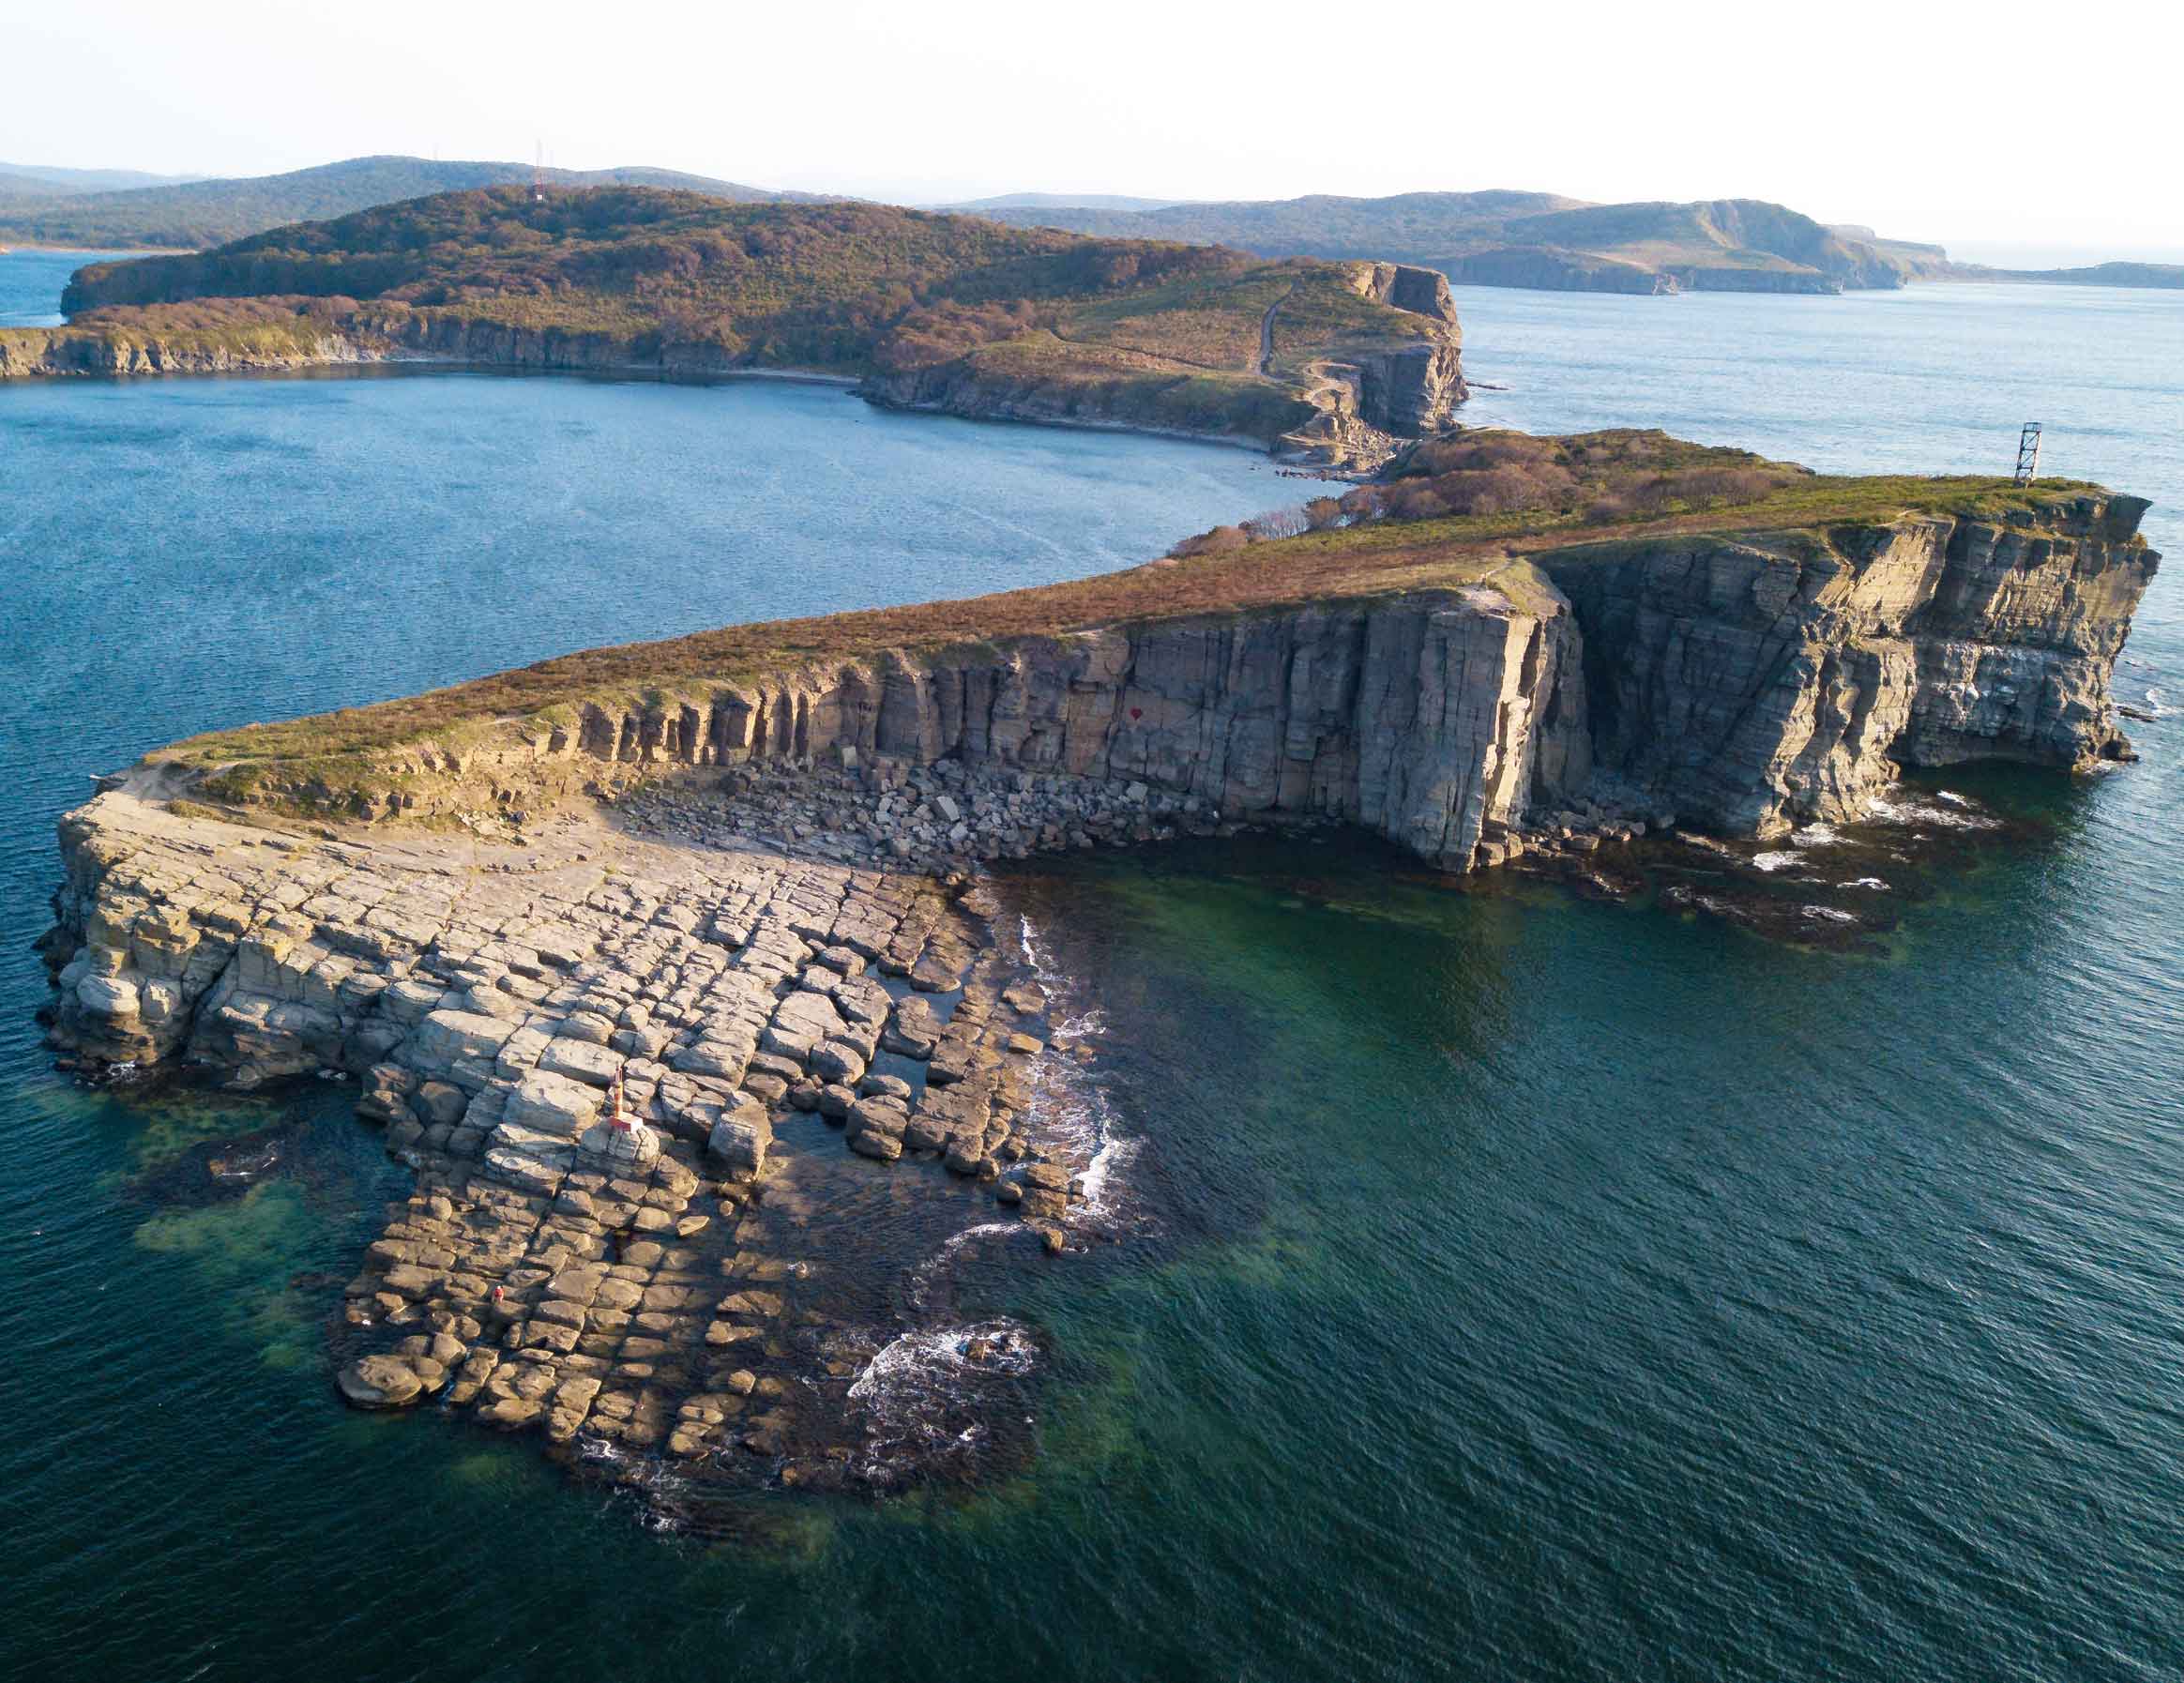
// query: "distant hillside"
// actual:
[[2160, 276], [43, 179], [1057, 200], [197, 214], [928, 311], [1509, 238]]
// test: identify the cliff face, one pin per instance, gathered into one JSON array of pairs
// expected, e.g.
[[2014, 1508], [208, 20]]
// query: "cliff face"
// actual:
[[1124, 401], [1754, 684], [1746, 684], [50, 352], [1348, 407], [1425, 716], [495, 345], [1349, 414]]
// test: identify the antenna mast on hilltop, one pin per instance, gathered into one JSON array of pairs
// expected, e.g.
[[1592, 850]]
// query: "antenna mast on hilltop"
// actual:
[[2028, 453], [538, 175]]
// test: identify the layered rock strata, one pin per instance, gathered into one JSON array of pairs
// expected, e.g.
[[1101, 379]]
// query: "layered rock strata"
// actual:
[[760, 942], [1355, 407], [1424, 716], [31, 352], [1346, 414], [1745, 683], [1753, 683]]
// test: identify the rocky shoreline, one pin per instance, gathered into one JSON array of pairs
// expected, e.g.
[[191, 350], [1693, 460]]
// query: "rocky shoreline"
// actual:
[[545, 1272]]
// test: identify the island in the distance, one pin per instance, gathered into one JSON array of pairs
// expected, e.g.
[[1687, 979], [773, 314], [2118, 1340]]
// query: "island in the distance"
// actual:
[[1332, 363]]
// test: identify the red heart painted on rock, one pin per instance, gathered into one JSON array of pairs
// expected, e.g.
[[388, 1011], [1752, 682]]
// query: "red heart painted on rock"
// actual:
[[1137, 712]]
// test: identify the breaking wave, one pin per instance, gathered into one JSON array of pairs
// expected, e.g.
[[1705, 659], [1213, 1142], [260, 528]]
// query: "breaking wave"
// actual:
[[913, 1366], [1947, 810], [1070, 1117]]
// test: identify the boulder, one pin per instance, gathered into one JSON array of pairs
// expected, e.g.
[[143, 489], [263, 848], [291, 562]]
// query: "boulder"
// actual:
[[837, 1061], [554, 1104], [380, 1382], [881, 1116], [741, 1139], [445, 1036], [581, 1060], [442, 1101]]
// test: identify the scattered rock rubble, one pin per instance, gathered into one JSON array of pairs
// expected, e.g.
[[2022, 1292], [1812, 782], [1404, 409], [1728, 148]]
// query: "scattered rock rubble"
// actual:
[[938, 819]]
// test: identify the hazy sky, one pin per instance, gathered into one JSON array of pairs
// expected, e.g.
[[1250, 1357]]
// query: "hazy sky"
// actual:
[[2026, 125]]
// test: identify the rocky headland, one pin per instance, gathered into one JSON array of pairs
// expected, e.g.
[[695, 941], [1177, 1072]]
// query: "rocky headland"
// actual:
[[608, 942], [1335, 364]]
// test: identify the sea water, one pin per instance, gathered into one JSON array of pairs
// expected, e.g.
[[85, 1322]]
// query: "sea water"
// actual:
[[1486, 1284]]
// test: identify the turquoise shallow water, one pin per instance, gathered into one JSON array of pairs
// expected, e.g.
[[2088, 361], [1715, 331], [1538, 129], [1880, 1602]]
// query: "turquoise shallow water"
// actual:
[[1504, 1286]]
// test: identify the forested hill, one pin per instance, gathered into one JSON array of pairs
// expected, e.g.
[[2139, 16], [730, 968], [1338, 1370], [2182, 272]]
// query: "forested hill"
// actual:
[[1529, 240], [811, 283], [194, 213]]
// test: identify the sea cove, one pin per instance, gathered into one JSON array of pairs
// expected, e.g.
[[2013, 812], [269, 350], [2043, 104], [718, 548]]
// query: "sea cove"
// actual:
[[1436, 1245]]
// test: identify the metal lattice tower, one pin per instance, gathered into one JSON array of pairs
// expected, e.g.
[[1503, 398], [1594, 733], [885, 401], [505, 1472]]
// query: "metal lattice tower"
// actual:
[[2028, 453]]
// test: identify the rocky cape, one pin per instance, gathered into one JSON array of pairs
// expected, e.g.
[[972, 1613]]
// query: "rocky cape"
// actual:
[[1743, 683], [646, 953]]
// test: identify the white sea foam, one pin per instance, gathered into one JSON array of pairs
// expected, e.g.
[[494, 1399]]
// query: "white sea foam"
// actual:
[[1830, 915], [1865, 882], [914, 1366], [1948, 810], [1069, 1116], [935, 1267]]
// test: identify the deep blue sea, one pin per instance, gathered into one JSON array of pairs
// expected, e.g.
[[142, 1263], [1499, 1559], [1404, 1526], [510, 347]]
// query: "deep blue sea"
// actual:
[[1505, 1285]]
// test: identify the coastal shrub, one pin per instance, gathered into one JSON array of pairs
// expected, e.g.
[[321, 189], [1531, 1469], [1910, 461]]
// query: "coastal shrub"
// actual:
[[1277, 522], [1363, 504], [1620, 473]]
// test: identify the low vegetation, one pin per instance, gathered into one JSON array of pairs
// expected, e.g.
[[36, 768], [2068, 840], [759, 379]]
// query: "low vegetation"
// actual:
[[1592, 478], [819, 285]]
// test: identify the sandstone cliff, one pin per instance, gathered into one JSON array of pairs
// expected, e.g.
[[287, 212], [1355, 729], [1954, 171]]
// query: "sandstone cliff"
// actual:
[[1424, 716], [1345, 402], [1757, 682], [1431, 718], [47, 352]]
